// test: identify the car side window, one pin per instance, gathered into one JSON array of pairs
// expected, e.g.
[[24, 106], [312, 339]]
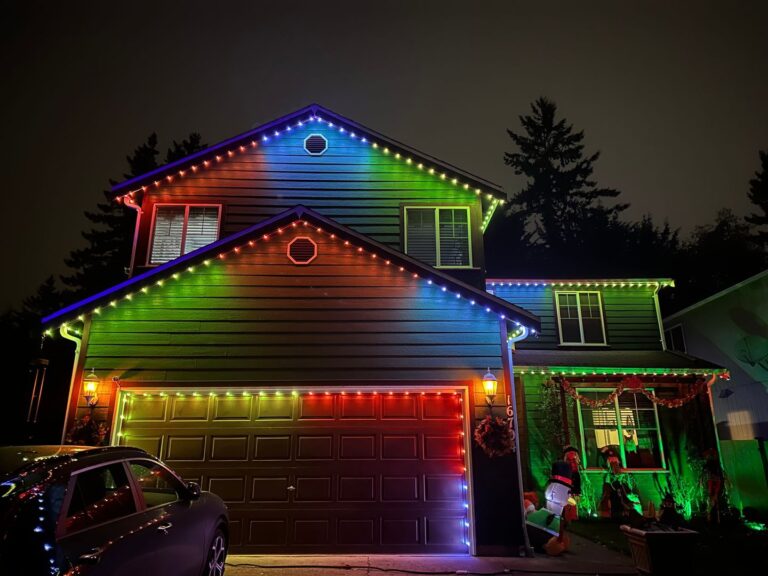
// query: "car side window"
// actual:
[[156, 483], [99, 495]]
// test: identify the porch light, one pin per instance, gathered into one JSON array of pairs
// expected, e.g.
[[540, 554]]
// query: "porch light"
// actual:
[[90, 388], [490, 385]]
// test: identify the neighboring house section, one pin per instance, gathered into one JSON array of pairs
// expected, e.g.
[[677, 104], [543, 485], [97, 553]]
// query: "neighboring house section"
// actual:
[[314, 157], [597, 335], [731, 329]]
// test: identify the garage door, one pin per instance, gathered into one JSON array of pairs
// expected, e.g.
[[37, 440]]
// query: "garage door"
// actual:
[[317, 471]]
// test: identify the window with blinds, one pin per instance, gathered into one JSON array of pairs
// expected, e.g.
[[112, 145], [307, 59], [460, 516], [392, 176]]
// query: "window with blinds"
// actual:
[[580, 318], [438, 236], [629, 425], [182, 229]]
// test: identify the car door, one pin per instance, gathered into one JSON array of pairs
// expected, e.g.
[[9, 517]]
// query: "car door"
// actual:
[[181, 545], [102, 529]]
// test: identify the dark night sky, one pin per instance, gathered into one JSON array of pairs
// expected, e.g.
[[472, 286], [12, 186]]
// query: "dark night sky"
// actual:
[[673, 93]]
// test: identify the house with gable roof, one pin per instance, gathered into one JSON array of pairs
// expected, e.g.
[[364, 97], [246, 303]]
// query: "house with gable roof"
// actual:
[[306, 329]]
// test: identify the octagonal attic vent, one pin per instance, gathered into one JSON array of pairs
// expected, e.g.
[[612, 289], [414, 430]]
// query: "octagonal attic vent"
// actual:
[[315, 144], [302, 250]]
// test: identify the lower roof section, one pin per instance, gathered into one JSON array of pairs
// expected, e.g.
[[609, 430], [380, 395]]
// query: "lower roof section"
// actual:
[[612, 362]]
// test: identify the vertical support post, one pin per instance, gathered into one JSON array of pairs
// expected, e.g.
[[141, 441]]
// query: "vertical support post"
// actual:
[[509, 374]]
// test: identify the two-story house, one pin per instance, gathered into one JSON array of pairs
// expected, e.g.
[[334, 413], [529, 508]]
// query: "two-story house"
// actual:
[[306, 330]]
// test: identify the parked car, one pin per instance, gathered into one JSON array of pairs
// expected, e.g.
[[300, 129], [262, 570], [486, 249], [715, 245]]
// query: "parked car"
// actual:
[[105, 511]]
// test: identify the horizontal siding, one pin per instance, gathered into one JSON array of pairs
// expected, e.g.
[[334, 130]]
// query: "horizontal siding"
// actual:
[[629, 314], [257, 317], [351, 183]]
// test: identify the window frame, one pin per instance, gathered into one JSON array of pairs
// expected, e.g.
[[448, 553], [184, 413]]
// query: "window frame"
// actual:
[[63, 514], [581, 320], [151, 241], [436, 208], [668, 341], [137, 486], [619, 430]]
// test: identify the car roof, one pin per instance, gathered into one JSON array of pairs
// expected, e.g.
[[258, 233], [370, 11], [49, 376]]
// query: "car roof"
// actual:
[[15, 458]]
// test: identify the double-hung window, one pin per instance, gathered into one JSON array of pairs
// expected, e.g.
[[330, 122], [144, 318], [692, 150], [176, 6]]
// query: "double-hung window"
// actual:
[[439, 236], [179, 229], [629, 426], [580, 318]]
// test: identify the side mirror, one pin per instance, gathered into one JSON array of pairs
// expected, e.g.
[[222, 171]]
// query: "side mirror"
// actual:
[[193, 489]]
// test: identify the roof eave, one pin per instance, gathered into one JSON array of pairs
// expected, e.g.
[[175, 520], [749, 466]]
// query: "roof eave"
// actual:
[[514, 314]]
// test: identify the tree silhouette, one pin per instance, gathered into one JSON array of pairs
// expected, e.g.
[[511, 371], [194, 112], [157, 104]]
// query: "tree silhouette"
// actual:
[[758, 195], [560, 200]]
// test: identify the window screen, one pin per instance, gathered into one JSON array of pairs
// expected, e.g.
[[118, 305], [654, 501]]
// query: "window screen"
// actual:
[[202, 227], [190, 227], [629, 425], [438, 236], [169, 227], [581, 318]]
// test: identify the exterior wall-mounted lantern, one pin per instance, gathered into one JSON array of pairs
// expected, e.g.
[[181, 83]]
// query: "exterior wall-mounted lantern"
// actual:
[[490, 385], [90, 389]]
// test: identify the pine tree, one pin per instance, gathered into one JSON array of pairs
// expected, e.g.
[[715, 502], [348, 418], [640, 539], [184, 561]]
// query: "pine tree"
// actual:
[[758, 195], [104, 260], [560, 201]]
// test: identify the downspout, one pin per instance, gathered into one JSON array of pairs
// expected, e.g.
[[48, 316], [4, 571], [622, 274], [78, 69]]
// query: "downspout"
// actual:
[[130, 202], [78, 340], [513, 403], [711, 383], [658, 316]]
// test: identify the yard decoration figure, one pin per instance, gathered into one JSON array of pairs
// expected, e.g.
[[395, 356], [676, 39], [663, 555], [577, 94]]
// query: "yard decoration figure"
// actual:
[[571, 456], [618, 499], [547, 526]]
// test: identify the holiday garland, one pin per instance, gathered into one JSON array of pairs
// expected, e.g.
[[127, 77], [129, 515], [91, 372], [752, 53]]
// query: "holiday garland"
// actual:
[[634, 385]]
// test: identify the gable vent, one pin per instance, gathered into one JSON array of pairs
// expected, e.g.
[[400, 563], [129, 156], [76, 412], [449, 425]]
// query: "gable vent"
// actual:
[[315, 144], [302, 250]]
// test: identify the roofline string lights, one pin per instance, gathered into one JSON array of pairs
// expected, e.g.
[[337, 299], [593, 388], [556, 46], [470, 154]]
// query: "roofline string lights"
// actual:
[[615, 372], [265, 137], [237, 250], [131, 395], [582, 283]]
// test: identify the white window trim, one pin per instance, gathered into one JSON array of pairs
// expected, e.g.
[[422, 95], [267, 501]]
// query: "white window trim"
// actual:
[[581, 323], [149, 262], [619, 429], [437, 207]]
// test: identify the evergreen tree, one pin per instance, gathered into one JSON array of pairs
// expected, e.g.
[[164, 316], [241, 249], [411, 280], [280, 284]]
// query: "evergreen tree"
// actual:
[[716, 257], [104, 260], [560, 201], [758, 195]]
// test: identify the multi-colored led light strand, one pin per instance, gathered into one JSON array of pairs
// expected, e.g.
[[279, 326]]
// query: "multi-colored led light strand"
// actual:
[[617, 372], [581, 283], [442, 175], [466, 525], [237, 250]]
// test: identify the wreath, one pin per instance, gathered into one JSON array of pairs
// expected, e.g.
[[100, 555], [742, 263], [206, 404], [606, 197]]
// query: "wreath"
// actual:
[[494, 437]]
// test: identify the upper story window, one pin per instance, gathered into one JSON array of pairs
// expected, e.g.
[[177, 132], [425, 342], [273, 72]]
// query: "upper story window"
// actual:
[[178, 229], [580, 318], [439, 236], [675, 338], [628, 427]]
